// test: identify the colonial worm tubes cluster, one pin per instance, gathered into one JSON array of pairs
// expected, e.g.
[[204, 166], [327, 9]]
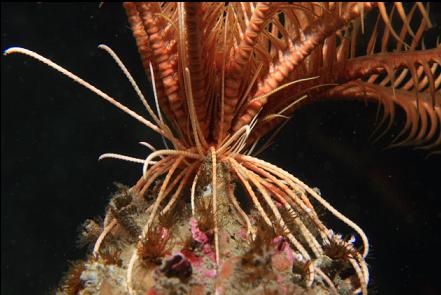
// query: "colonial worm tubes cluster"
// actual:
[[207, 214]]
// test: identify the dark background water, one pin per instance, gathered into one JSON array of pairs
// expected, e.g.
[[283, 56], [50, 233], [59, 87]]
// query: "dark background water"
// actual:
[[54, 130]]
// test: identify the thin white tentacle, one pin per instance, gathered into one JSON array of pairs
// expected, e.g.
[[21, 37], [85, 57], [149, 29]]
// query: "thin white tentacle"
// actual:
[[122, 157], [95, 90]]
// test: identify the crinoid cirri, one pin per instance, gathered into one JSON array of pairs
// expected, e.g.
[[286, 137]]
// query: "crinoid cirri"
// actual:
[[207, 214]]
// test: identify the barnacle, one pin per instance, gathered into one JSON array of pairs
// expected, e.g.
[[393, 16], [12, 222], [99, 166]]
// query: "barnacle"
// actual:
[[154, 245], [226, 75]]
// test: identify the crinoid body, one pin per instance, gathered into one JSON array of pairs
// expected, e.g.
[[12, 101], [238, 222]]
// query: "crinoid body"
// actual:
[[208, 215]]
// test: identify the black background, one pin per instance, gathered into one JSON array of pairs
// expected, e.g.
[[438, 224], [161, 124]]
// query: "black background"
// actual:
[[53, 131]]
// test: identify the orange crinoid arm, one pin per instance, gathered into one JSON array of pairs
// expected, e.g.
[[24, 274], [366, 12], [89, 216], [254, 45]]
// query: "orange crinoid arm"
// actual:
[[256, 63]]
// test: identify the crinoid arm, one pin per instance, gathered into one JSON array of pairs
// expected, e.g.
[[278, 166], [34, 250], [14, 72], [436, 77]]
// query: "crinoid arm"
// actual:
[[395, 69]]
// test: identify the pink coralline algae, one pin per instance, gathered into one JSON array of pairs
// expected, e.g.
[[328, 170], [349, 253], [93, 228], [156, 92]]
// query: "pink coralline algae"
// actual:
[[198, 235]]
